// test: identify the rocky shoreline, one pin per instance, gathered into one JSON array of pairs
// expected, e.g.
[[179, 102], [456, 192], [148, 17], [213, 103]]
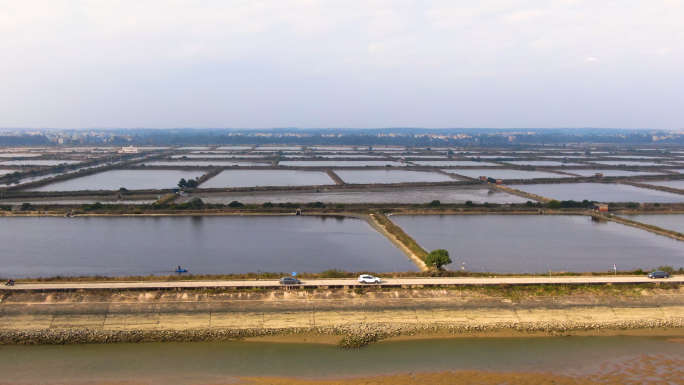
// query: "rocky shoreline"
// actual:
[[351, 336]]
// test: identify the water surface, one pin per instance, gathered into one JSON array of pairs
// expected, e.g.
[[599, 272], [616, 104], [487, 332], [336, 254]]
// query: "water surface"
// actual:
[[541, 163], [130, 179], [390, 176], [668, 183], [222, 362], [537, 244], [628, 163], [37, 162], [409, 195], [207, 163], [611, 172], [600, 192], [116, 246], [454, 163], [340, 163], [506, 174], [253, 178], [674, 222]]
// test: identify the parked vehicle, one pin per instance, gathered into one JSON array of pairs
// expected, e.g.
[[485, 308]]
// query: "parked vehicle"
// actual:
[[289, 281], [658, 274], [366, 278]]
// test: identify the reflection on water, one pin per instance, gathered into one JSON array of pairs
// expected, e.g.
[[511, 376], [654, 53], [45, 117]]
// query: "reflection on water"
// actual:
[[220, 362], [204, 245], [537, 244]]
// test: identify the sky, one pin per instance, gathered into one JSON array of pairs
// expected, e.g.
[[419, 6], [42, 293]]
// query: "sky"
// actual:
[[358, 64]]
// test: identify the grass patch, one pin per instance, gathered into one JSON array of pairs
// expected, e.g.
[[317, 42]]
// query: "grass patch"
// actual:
[[401, 236]]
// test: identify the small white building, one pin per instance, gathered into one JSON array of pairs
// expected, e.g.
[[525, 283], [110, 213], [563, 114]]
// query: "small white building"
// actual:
[[129, 150]]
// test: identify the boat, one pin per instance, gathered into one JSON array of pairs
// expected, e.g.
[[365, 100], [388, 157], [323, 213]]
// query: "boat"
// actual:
[[180, 271]]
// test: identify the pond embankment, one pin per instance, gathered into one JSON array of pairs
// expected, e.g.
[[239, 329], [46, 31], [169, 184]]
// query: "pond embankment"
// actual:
[[353, 317]]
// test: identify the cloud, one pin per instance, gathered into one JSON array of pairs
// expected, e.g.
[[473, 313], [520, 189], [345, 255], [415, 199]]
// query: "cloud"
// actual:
[[523, 16], [354, 63]]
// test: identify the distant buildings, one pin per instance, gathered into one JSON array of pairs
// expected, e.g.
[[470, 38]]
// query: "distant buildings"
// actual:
[[129, 150]]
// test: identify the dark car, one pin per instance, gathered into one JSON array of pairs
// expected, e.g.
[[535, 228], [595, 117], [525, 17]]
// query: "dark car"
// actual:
[[289, 281], [658, 274]]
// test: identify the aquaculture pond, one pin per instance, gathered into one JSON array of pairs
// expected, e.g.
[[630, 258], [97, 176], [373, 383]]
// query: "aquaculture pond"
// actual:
[[541, 163], [37, 162], [120, 246], [600, 192], [505, 174], [668, 183], [629, 163], [378, 195], [253, 178], [340, 163], [674, 222], [391, 176], [538, 244], [205, 163], [453, 163], [129, 179], [611, 172]]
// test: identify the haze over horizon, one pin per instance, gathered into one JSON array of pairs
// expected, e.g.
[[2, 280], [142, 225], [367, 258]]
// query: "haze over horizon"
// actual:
[[355, 64]]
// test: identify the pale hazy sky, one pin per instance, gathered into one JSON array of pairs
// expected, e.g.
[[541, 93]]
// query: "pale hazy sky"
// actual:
[[282, 63]]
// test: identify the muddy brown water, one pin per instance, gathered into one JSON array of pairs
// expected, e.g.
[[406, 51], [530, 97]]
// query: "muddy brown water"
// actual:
[[223, 362]]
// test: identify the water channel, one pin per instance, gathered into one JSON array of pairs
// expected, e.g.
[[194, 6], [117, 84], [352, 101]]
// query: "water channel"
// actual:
[[184, 363]]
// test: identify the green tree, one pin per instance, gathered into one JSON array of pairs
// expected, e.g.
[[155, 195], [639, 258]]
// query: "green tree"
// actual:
[[192, 183], [235, 204], [123, 189], [435, 203], [267, 205], [438, 258], [469, 203], [195, 204], [25, 206], [182, 183], [554, 204]]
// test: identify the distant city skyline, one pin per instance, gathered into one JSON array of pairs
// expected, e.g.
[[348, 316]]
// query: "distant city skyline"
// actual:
[[357, 64]]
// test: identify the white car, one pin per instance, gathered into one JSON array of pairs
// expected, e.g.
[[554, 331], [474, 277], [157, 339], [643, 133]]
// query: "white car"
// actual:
[[368, 279]]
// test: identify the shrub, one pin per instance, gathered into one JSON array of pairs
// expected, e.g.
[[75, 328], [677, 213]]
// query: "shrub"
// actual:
[[554, 204], [469, 203], [435, 203], [26, 206], [315, 204], [195, 204], [632, 205], [667, 269], [332, 273], [235, 204], [267, 205]]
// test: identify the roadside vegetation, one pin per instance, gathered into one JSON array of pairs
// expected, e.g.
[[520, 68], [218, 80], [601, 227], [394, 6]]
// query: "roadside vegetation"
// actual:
[[336, 273]]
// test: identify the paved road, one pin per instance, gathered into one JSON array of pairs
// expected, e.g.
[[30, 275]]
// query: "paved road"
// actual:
[[391, 282]]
